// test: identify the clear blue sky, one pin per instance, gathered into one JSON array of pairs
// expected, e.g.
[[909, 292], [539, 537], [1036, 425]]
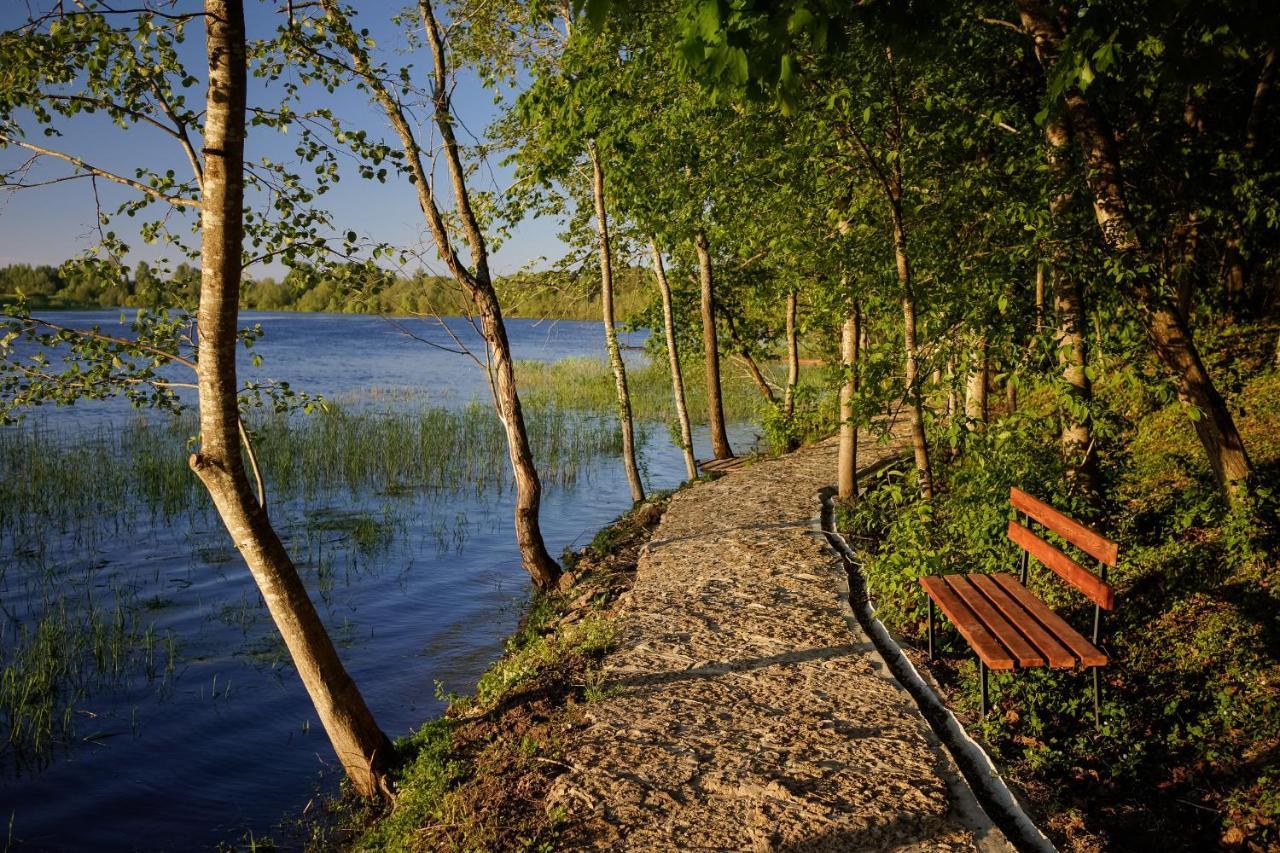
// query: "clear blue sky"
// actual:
[[50, 224]]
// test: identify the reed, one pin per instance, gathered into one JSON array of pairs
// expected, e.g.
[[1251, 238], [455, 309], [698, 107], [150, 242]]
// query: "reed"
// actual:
[[378, 460], [587, 385], [55, 660], [77, 483]]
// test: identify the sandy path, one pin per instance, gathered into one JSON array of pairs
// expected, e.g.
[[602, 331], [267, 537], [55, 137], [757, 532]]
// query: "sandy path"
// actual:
[[751, 713]]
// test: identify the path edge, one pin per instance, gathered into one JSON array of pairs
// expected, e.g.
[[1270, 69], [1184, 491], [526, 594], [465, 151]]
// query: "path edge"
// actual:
[[986, 785]]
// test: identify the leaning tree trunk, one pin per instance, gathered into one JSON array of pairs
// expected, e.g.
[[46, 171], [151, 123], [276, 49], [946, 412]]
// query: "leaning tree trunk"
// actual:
[[611, 331], [847, 459], [542, 568], [673, 354], [1169, 335], [711, 351], [537, 561], [744, 352], [793, 355], [361, 747], [975, 395], [915, 403], [1078, 451]]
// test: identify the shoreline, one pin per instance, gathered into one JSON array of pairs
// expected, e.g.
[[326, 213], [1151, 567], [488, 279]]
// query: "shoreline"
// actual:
[[475, 776]]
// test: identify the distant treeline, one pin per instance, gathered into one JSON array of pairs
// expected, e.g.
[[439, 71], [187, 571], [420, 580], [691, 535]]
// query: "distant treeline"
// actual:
[[354, 291]]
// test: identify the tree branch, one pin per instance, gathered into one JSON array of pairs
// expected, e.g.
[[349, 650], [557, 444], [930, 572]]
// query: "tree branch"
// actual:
[[102, 173]]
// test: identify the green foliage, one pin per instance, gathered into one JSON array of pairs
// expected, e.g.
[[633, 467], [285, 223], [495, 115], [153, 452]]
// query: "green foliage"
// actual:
[[347, 291], [1191, 695], [814, 415], [528, 655], [423, 784]]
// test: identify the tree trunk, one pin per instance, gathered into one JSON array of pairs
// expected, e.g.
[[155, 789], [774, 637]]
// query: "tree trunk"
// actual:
[[1040, 298], [1078, 449], [611, 331], [361, 747], [1266, 80], [1077, 441], [975, 395], [1168, 333], [952, 397], [673, 355], [847, 460], [711, 351], [793, 355], [744, 352], [915, 404], [537, 561]]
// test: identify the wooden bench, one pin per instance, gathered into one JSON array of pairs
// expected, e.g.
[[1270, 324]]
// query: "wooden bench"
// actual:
[[1006, 624]]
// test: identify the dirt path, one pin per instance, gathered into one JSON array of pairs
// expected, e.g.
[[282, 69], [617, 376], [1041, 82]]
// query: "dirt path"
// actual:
[[750, 711]]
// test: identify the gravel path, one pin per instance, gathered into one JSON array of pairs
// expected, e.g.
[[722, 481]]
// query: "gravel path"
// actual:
[[749, 711]]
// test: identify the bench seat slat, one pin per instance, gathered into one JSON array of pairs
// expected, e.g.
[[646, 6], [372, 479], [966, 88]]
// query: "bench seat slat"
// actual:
[[1058, 655], [995, 622], [967, 623], [1088, 654]]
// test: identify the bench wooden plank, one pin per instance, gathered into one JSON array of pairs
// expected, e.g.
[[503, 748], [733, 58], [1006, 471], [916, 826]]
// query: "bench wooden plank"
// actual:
[[1091, 542], [1008, 634], [1094, 588], [967, 623], [1058, 655], [1088, 654]]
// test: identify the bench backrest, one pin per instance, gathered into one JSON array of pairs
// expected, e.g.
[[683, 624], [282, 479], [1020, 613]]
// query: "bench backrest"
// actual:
[[1090, 542]]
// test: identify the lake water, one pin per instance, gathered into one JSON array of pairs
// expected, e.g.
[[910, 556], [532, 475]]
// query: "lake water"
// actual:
[[206, 734]]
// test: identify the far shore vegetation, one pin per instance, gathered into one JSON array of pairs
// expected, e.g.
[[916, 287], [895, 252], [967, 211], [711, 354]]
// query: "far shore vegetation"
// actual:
[[550, 293]]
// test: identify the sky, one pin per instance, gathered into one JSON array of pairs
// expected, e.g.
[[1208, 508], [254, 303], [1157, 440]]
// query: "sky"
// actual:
[[46, 225]]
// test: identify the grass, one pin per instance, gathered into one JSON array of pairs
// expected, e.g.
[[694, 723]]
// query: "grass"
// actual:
[[586, 384]]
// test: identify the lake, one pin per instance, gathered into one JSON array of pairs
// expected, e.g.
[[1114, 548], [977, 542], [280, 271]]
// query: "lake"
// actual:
[[188, 725]]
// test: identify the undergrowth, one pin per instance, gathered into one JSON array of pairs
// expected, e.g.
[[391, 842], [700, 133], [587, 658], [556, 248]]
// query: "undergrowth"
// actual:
[[1188, 753]]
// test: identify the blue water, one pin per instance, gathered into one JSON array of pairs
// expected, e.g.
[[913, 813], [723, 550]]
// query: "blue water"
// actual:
[[228, 743]]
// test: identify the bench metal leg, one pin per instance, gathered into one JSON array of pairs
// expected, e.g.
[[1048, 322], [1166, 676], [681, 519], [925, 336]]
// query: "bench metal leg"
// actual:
[[1097, 696], [931, 621], [982, 668]]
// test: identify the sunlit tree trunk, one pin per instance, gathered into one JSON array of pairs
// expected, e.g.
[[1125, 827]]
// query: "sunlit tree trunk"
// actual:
[[1166, 329], [793, 355], [611, 331], [915, 401], [847, 458], [711, 351], [890, 177], [673, 355], [952, 396], [476, 281], [975, 397], [361, 747], [1040, 297], [1078, 451]]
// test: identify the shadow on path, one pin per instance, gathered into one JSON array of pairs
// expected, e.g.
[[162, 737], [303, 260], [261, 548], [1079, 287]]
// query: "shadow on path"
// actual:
[[713, 670]]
